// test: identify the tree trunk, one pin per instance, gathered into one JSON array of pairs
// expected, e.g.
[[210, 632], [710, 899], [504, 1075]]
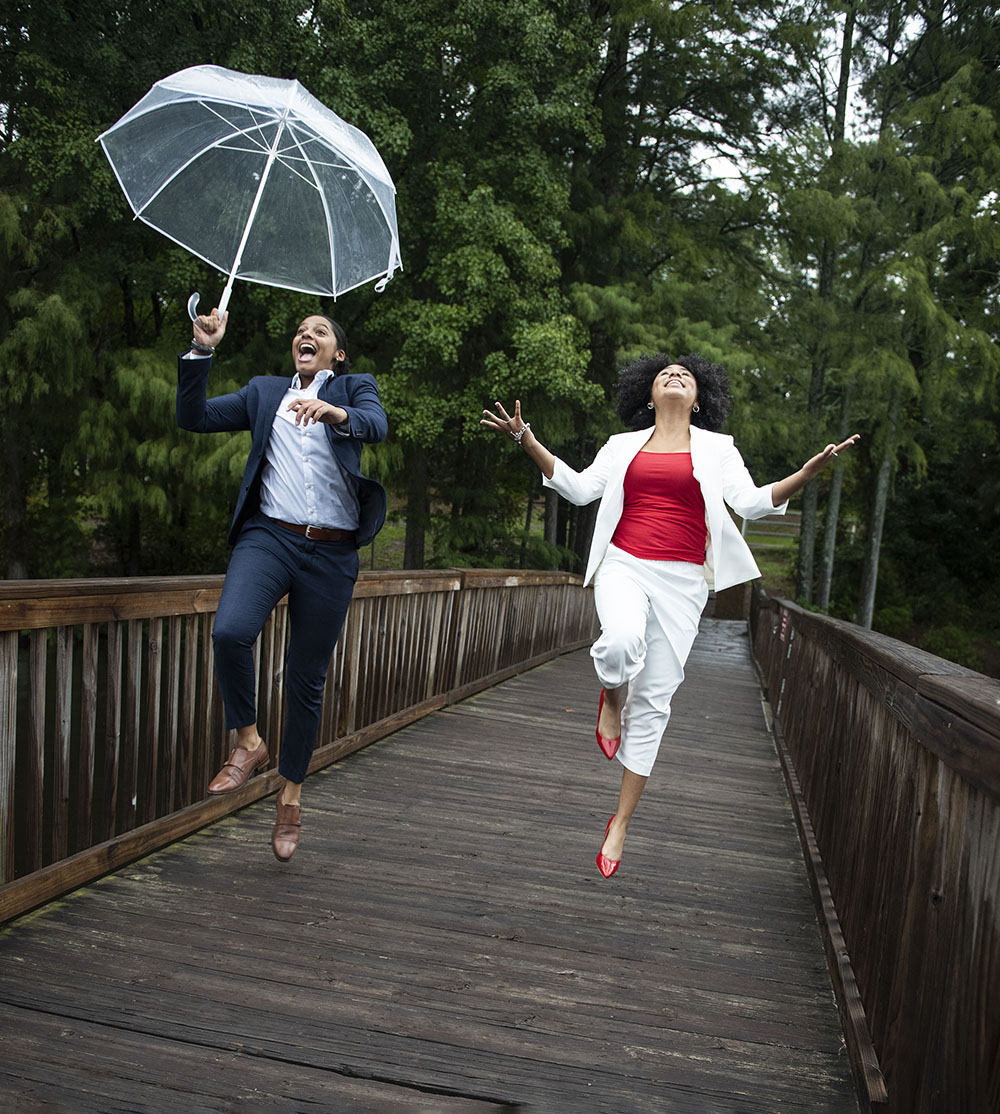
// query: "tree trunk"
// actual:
[[612, 97], [417, 510], [128, 527], [827, 272], [128, 311], [869, 575], [582, 532], [551, 516], [833, 511], [527, 526], [15, 533], [563, 527], [807, 541]]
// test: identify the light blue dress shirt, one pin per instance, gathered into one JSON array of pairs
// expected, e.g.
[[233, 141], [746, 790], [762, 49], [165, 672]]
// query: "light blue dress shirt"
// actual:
[[301, 481]]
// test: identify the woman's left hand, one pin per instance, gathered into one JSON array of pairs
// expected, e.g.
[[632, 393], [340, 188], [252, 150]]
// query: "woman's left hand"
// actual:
[[316, 410], [784, 489], [816, 464]]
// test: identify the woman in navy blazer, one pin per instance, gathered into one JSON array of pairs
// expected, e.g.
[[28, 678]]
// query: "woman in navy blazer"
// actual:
[[663, 489], [303, 510]]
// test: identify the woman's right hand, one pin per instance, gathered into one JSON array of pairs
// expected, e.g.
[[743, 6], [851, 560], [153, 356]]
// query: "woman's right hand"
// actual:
[[502, 421], [517, 429], [210, 328]]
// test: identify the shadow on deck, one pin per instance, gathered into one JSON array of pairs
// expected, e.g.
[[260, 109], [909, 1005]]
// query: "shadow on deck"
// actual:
[[442, 941]]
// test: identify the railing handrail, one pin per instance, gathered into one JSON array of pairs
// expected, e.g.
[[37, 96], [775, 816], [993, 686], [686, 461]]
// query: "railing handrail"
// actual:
[[892, 756], [924, 692], [111, 720], [32, 604]]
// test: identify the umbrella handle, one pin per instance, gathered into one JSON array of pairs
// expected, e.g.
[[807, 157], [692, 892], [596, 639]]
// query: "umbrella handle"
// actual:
[[193, 305]]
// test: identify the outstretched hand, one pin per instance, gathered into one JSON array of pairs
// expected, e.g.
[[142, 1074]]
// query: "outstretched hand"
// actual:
[[516, 428], [784, 489], [816, 464], [502, 421], [210, 328]]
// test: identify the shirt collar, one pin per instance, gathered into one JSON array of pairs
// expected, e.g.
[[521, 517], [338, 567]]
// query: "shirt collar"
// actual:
[[318, 381]]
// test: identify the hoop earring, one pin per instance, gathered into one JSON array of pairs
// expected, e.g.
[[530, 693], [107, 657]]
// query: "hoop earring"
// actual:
[[696, 409], [649, 406]]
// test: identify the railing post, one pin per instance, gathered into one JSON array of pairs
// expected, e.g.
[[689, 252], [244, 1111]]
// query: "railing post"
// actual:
[[893, 757], [8, 737], [126, 759]]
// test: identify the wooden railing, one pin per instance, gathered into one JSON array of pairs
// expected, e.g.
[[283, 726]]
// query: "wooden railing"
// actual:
[[893, 762], [111, 722]]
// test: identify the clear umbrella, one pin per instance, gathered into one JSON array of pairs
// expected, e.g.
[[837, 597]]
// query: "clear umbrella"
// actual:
[[258, 178]]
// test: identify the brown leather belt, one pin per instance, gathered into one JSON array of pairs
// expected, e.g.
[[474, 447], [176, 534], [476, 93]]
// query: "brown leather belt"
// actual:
[[318, 533]]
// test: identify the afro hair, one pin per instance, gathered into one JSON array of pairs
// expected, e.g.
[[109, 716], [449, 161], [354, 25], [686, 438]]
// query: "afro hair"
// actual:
[[635, 386]]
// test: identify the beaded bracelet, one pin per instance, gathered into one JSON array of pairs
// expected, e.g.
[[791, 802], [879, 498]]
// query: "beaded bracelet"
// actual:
[[202, 349]]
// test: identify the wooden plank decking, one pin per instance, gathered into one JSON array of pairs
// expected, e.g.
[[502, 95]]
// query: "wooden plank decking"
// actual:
[[442, 941]]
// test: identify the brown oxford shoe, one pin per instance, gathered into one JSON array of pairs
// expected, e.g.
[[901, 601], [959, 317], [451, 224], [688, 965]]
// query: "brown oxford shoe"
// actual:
[[240, 766], [285, 837]]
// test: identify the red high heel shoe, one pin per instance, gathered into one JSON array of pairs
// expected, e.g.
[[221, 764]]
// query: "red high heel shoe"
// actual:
[[609, 747], [605, 865]]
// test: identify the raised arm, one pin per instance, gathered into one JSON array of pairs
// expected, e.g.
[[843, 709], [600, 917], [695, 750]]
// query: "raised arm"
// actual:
[[518, 430], [782, 491], [208, 329], [195, 411]]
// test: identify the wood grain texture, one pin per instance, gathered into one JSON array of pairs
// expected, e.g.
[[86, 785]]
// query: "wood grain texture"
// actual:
[[8, 752], [442, 940], [898, 757], [140, 733]]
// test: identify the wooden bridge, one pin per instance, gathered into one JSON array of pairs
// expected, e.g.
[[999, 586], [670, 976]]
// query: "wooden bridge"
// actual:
[[805, 919]]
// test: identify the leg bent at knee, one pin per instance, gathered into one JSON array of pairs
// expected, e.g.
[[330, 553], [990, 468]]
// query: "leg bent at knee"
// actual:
[[618, 656]]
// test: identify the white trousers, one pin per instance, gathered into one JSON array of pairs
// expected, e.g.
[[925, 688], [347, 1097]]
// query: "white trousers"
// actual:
[[649, 613]]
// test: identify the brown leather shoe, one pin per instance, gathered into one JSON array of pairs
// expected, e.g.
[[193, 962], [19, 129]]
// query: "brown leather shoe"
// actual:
[[240, 765], [285, 837]]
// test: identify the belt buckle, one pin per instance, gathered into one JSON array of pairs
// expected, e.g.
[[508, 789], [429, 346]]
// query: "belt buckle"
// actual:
[[308, 528]]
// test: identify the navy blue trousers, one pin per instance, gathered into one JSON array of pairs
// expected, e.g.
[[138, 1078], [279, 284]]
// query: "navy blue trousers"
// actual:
[[269, 561]]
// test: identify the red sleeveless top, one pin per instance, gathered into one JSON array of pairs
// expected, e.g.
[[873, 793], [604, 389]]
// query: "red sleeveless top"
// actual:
[[664, 514]]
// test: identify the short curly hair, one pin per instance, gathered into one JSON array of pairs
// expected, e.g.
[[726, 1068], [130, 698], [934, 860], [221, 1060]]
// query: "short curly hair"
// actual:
[[635, 386]]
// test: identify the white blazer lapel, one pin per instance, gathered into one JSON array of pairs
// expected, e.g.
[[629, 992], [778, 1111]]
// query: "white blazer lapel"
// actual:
[[707, 471]]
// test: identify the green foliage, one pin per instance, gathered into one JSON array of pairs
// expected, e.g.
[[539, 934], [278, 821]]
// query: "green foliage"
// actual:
[[561, 209]]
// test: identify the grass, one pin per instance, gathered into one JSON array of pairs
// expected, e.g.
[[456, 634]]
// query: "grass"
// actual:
[[386, 551], [777, 568]]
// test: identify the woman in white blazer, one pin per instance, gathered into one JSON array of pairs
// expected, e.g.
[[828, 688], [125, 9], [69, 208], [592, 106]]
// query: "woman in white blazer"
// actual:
[[661, 539]]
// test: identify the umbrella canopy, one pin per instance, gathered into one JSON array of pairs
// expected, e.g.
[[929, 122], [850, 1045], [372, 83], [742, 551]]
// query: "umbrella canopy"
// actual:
[[258, 178]]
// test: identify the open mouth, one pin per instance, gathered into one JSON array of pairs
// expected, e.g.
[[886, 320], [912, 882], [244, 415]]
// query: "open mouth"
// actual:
[[306, 349]]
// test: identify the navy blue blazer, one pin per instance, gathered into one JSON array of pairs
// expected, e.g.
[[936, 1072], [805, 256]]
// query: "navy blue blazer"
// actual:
[[253, 407]]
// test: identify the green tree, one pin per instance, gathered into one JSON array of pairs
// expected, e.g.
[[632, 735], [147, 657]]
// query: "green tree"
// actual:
[[474, 106], [86, 291], [867, 227], [934, 172]]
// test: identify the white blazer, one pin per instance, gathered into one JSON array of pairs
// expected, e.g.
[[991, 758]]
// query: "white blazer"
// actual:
[[723, 476]]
